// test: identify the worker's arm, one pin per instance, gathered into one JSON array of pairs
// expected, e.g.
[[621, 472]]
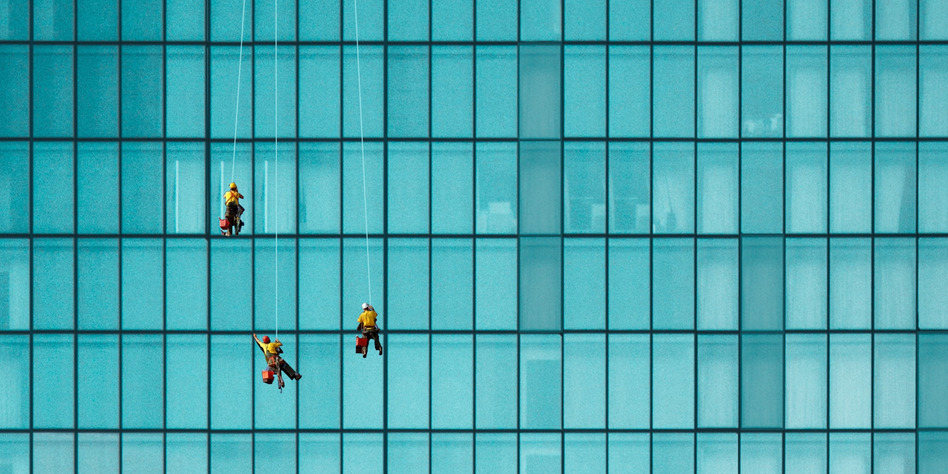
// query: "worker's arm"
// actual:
[[241, 196], [258, 342]]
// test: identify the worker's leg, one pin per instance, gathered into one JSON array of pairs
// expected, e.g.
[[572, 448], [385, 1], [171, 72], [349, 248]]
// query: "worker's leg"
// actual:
[[375, 335], [287, 369]]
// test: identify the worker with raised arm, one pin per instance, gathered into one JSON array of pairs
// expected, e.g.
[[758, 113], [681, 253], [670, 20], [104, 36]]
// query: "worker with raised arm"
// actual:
[[272, 351], [234, 209], [368, 326]]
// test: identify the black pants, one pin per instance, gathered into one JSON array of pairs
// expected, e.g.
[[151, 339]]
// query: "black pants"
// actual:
[[373, 334], [285, 368]]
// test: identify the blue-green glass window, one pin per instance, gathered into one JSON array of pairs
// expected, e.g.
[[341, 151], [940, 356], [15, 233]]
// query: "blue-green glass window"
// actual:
[[14, 184], [319, 20], [141, 164], [270, 99], [185, 188], [184, 73], [16, 397], [894, 278], [142, 288], [629, 91], [806, 283], [673, 291], [850, 90], [674, 20], [15, 284], [762, 91], [285, 21], [408, 352], [850, 182], [371, 16], [630, 20], [319, 400], [673, 184], [407, 280], [230, 451], [540, 380], [629, 184], [805, 384], [356, 280], [717, 381], [142, 381], [932, 380], [370, 120], [408, 191], [233, 163], [540, 20], [143, 449], [53, 370], [673, 375], [540, 178], [850, 382], [629, 371], [320, 450], [15, 95], [718, 20], [97, 187], [186, 283], [53, 283], [932, 90], [584, 381], [184, 20], [805, 178], [495, 90], [892, 451], [53, 20], [896, 20], [895, 185], [184, 409], [319, 262], [452, 388], [142, 84], [265, 397], [496, 20], [673, 452], [319, 186], [97, 20], [893, 381], [807, 84], [407, 452], [16, 20], [584, 183], [895, 91], [98, 402], [496, 188], [585, 20], [353, 173], [495, 386], [182, 449], [53, 91], [541, 451], [97, 91], [584, 91], [320, 96], [452, 199], [717, 283], [673, 97], [407, 20], [231, 405], [762, 367], [850, 20], [718, 96], [98, 283], [762, 20], [230, 112], [762, 197], [850, 283], [932, 278], [540, 283], [805, 452], [762, 287], [227, 16], [933, 17], [716, 452], [718, 194], [496, 452], [584, 284], [274, 265], [53, 187], [452, 88], [452, 284], [584, 452], [540, 76], [630, 449], [761, 452], [452, 20], [275, 187], [629, 288], [141, 20], [807, 19], [98, 452], [849, 449]]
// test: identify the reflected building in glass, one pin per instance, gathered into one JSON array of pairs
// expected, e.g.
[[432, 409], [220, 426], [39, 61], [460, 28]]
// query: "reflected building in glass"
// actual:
[[602, 235]]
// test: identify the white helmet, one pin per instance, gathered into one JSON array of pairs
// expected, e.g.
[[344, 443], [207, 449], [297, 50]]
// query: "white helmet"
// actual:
[[365, 306]]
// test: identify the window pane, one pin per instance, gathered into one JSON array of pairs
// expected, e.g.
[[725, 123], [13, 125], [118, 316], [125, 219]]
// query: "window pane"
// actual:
[[629, 266], [630, 381], [407, 452], [274, 282], [850, 20], [630, 449], [98, 452], [496, 190], [629, 88], [408, 196], [452, 284], [408, 20], [226, 18], [540, 283], [673, 293], [718, 96], [185, 188], [319, 399], [540, 381], [585, 20], [408, 91], [496, 20], [673, 375], [142, 288], [761, 452], [673, 97], [16, 21], [319, 264], [895, 184], [264, 21], [142, 91], [452, 87], [14, 96], [231, 257], [850, 380], [806, 283], [540, 20], [15, 399], [539, 185], [495, 88], [629, 20], [231, 405], [674, 20], [408, 283], [97, 91], [584, 283], [185, 410], [805, 453], [15, 446], [186, 449], [806, 90], [319, 105], [319, 190], [356, 280], [52, 20], [139, 21], [452, 173], [141, 164], [184, 91], [806, 191], [673, 453], [452, 20], [53, 91], [762, 193], [53, 371], [186, 262], [354, 201], [894, 381], [584, 452], [895, 20], [97, 19], [718, 21], [144, 452], [717, 283], [932, 179], [762, 20], [495, 388], [629, 188], [231, 452], [496, 452], [53, 187], [716, 452], [894, 283], [932, 278], [14, 184], [408, 352], [584, 381], [895, 91], [673, 184], [932, 380], [717, 188], [806, 19], [452, 388], [371, 60], [933, 90], [230, 112], [53, 283], [850, 283], [762, 272], [762, 91], [933, 15], [850, 187], [850, 86], [184, 20], [717, 381], [98, 403], [540, 75], [584, 90], [97, 188], [142, 381], [762, 366], [893, 451], [805, 382], [14, 284], [850, 452], [360, 394]]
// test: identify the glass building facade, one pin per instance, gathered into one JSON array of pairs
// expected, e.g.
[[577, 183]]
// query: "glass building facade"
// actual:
[[602, 235]]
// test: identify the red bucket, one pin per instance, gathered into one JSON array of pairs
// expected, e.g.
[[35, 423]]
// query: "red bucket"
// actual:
[[360, 343], [267, 376]]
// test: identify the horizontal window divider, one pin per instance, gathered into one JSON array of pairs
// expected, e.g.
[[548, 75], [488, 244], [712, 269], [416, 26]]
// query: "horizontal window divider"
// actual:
[[293, 139], [347, 331], [471, 430], [293, 42]]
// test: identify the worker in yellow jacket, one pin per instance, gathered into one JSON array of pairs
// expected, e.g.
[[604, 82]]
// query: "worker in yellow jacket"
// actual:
[[368, 326], [234, 209], [272, 352]]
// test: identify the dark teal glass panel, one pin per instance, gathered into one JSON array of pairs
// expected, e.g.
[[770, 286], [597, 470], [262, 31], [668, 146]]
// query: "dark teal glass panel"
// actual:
[[541, 20], [407, 20], [142, 98], [673, 97], [274, 191], [98, 284], [53, 187], [97, 91], [452, 382], [408, 283], [53, 284], [97, 20], [408, 387], [142, 165], [185, 20], [53, 20], [231, 452], [629, 188], [357, 173], [762, 375], [142, 284], [231, 113], [762, 283], [932, 277], [184, 410], [540, 184], [630, 20], [356, 280], [97, 188], [184, 91], [274, 284], [16, 20], [15, 281], [762, 193], [717, 283], [673, 188], [584, 381], [371, 16], [584, 187], [540, 71], [932, 90], [186, 262], [762, 85], [53, 77], [320, 450], [13, 447], [408, 196], [319, 20], [319, 274], [932, 179], [540, 278], [629, 288], [320, 102], [762, 20], [16, 396], [319, 188], [185, 188], [452, 20], [274, 92], [367, 119], [279, 15], [53, 369], [452, 284], [452, 89], [496, 381], [674, 20], [357, 394], [14, 184], [15, 94], [229, 17], [496, 20], [932, 380], [98, 403], [141, 20], [231, 257], [452, 199], [143, 388]]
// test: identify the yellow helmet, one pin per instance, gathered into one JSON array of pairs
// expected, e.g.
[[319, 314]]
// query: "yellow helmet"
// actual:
[[233, 185]]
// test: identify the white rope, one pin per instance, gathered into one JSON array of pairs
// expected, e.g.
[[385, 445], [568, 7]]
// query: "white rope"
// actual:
[[365, 203], [240, 59], [276, 182]]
